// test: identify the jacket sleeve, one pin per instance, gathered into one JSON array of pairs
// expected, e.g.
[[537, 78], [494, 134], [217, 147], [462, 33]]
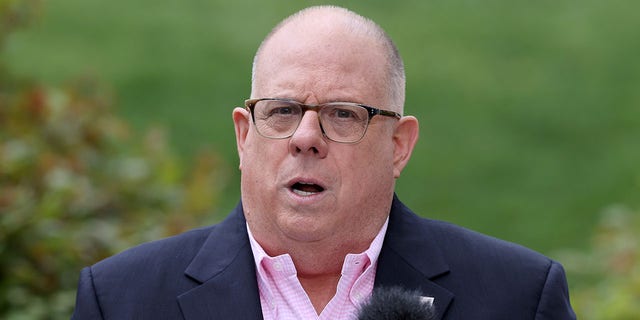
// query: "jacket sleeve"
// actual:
[[87, 305], [554, 299]]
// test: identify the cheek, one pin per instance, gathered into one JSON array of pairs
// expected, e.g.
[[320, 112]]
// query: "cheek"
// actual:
[[257, 182], [260, 152], [259, 166], [369, 170]]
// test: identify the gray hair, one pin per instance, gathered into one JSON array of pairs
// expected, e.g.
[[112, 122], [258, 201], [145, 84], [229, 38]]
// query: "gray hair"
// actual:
[[357, 24]]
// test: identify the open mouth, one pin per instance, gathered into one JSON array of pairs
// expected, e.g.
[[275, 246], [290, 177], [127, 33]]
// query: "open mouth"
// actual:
[[306, 189]]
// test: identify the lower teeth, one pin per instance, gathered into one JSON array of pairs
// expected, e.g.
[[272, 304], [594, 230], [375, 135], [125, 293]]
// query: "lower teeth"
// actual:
[[303, 193]]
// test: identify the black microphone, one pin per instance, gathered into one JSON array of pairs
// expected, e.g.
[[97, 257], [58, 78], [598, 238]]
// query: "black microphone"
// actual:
[[396, 303]]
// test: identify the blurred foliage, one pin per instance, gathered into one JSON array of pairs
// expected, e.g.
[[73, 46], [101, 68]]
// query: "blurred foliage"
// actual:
[[77, 186], [609, 273]]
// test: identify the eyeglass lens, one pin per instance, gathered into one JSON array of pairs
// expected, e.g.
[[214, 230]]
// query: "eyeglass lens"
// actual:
[[340, 122]]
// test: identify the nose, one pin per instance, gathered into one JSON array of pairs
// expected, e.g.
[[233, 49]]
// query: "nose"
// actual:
[[308, 137]]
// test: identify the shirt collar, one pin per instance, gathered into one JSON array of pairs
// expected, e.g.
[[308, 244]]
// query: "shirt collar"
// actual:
[[373, 252]]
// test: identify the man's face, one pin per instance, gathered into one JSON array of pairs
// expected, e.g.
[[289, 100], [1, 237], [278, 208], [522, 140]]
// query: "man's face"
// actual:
[[307, 188]]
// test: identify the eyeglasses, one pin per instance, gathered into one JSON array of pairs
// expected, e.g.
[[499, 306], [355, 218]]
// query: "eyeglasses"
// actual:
[[344, 122]]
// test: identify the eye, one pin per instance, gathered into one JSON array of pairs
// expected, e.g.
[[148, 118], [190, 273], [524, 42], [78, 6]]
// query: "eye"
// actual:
[[285, 110], [279, 109], [344, 113]]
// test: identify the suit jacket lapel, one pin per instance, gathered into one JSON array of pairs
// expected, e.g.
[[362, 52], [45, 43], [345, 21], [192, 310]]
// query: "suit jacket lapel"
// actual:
[[226, 270], [410, 259]]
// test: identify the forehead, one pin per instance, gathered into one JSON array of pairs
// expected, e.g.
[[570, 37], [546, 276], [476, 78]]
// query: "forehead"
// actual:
[[327, 62]]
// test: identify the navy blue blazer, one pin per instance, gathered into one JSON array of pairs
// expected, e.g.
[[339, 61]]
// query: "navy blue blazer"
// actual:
[[209, 273]]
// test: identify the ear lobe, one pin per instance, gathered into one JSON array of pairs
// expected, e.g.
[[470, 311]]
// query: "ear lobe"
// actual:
[[241, 123], [404, 138]]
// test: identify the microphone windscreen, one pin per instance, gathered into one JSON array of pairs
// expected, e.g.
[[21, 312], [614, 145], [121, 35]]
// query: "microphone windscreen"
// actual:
[[396, 303]]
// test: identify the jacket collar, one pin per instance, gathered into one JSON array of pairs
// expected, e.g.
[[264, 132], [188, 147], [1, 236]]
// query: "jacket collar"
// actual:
[[411, 259], [225, 269]]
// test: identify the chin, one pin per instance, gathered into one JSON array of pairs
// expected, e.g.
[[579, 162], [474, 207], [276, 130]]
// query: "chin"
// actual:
[[305, 229]]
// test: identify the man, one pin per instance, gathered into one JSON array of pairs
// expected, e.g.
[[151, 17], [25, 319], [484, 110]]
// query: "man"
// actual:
[[321, 142]]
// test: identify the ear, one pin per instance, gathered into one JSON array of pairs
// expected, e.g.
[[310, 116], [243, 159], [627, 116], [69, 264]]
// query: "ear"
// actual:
[[404, 138], [241, 122]]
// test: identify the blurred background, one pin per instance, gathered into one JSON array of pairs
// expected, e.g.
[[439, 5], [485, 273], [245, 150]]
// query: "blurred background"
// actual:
[[115, 129]]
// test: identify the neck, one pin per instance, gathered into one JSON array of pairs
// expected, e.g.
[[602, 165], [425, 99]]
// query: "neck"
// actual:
[[320, 289], [319, 269], [318, 263]]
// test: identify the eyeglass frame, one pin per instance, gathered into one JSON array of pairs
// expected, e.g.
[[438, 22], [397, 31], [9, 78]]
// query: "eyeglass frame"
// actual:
[[371, 112]]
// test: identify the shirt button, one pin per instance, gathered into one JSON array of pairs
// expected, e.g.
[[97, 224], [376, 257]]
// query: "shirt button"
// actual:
[[277, 266]]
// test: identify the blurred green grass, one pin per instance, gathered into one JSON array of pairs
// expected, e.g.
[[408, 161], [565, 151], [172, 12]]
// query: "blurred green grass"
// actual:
[[530, 111]]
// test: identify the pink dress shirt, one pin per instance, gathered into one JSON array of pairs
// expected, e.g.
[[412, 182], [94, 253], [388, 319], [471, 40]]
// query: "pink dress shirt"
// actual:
[[282, 296]]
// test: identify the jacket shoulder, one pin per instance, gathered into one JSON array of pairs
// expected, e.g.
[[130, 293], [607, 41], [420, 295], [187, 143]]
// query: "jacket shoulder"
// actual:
[[176, 250], [464, 244], [152, 273], [460, 245], [490, 278]]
